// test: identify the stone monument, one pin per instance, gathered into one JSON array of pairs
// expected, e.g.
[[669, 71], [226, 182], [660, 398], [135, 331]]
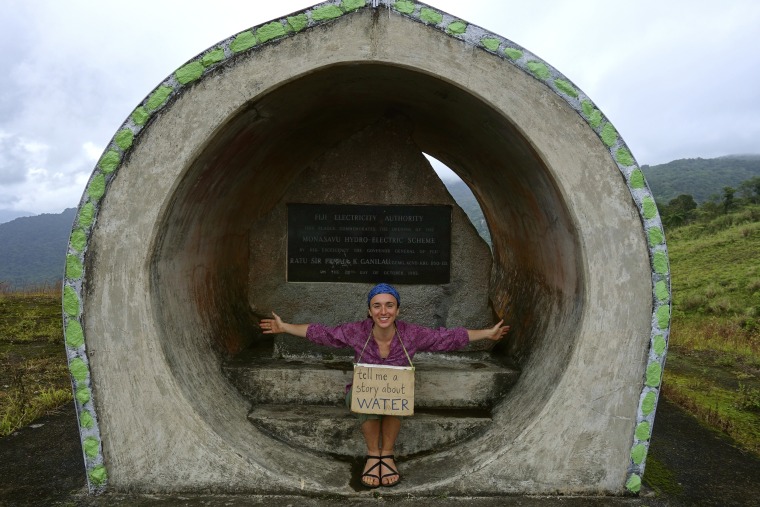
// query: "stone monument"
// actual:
[[181, 243]]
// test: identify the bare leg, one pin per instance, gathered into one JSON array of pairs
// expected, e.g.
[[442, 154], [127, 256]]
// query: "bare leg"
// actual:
[[390, 428], [371, 431]]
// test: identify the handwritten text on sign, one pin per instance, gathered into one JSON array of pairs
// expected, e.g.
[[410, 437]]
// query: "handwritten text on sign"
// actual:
[[369, 243], [387, 390]]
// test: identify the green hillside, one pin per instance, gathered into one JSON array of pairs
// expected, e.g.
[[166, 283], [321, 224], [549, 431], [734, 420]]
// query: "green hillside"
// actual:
[[713, 367], [33, 249], [699, 177]]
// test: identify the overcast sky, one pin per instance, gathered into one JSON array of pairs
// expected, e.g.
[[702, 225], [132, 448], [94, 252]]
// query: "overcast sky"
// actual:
[[678, 78]]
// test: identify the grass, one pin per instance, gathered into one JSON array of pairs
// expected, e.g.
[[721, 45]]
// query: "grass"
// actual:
[[34, 378], [713, 365], [660, 478], [723, 396]]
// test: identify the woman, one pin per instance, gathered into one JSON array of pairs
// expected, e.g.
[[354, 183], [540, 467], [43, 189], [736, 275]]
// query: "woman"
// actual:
[[383, 301]]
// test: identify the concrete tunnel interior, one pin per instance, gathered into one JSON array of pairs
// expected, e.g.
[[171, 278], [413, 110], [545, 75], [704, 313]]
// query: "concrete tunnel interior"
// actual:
[[241, 172]]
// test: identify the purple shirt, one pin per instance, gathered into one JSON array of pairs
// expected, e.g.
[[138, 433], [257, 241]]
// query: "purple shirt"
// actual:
[[416, 339]]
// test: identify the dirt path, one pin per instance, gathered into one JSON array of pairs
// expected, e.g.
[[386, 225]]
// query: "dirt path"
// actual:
[[41, 465]]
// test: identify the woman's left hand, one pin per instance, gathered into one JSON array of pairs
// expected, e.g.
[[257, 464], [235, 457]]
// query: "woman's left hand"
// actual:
[[495, 333]]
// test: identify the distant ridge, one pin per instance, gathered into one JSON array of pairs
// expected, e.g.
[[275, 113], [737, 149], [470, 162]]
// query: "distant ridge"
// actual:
[[8, 215], [699, 177], [33, 249]]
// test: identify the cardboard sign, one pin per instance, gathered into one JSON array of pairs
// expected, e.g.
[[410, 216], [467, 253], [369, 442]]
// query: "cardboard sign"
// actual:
[[386, 390]]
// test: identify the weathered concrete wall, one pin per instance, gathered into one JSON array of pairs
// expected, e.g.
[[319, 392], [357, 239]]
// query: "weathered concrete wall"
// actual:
[[379, 164], [158, 265]]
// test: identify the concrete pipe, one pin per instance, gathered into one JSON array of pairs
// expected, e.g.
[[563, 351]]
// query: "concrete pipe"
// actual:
[[158, 291]]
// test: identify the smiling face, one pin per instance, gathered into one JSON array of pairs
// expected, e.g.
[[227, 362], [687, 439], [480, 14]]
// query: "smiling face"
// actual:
[[383, 309]]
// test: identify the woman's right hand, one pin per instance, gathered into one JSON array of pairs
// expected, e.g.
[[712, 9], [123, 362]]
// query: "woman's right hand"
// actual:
[[276, 325]]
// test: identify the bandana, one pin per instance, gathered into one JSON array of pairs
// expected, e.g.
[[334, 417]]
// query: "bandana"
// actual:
[[383, 288]]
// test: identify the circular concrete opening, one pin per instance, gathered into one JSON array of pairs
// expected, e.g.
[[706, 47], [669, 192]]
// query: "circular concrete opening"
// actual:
[[167, 295], [245, 167], [248, 163]]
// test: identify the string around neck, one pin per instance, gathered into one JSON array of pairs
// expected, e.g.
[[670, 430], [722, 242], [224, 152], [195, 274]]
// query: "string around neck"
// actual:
[[396, 333]]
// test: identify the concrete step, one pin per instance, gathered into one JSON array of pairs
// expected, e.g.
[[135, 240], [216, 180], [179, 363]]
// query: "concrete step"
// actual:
[[335, 431], [441, 381]]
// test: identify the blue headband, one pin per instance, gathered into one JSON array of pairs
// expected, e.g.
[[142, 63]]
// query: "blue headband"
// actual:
[[383, 288]]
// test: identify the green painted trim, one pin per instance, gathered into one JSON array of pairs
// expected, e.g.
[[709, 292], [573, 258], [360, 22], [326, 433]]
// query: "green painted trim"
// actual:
[[637, 179], [663, 317], [70, 303], [97, 187], [624, 157], [299, 22], [638, 453], [98, 475], [661, 263], [609, 135], [647, 406], [538, 69], [91, 447], [140, 116], [212, 57], [457, 27], [123, 140], [158, 98], [654, 372], [490, 44], [243, 41], [656, 236], [85, 420], [73, 267], [649, 208], [661, 291], [78, 370], [270, 31], [78, 240], [592, 114], [659, 344], [514, 54], [86, 215], [326, 12], [643, 431], [566, 88], [189, 72], [430, 16], [634, 484], [112, 159], [352, 5], [404, 6], [74, 333], [83, 395]]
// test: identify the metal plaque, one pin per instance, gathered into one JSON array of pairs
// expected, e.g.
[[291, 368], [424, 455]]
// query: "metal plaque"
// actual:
[[369, 243]]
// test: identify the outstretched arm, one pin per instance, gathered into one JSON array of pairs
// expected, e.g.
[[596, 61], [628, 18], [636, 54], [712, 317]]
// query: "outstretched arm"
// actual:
[[276, 325], [495, 333]]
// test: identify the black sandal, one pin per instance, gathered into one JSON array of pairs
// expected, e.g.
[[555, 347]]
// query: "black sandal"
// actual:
[[393, 471], [373, 476]]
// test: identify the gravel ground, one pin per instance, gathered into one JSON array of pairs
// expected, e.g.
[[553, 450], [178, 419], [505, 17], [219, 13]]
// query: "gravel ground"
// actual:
[[42, 465]]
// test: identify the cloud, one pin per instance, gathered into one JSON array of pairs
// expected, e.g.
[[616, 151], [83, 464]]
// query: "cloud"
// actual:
[[676, 78]]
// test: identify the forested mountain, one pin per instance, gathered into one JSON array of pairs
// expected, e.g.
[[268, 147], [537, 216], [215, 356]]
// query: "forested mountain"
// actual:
[[701, 178], [33, 249]]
